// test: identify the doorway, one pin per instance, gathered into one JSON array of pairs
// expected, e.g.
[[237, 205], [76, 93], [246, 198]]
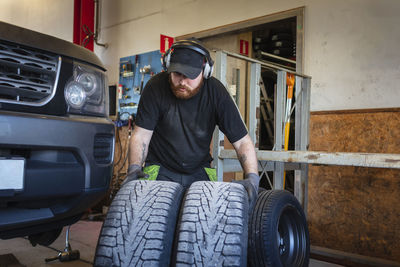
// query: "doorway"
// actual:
[[276, 39]]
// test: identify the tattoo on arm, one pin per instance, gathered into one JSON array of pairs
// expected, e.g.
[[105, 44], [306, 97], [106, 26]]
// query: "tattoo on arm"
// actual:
[[143, 156], [242, 159]]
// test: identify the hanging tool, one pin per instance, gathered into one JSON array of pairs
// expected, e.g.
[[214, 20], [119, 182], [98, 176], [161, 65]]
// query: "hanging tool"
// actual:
[[290, 86], [143, 71], [136, 67], [68, 254]]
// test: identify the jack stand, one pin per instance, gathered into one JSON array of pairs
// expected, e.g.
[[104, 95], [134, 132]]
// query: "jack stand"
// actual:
[[68, 254]]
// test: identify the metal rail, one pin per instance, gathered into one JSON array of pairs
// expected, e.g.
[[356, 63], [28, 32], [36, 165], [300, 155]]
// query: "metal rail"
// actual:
[[277, 57], [265, 64], [302, 122], [278, 160]]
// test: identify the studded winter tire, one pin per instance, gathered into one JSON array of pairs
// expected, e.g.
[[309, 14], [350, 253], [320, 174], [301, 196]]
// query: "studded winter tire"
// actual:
[[140, 225], [278, 233], [212, 230]]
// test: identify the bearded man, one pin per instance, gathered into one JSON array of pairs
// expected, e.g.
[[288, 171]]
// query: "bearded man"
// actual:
[[176, 117]]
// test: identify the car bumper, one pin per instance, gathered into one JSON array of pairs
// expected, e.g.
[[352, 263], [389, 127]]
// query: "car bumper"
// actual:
[[68, 168]]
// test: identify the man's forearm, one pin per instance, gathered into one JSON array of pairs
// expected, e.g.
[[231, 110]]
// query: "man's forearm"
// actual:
[[137, 152], [248, 159], [138, 146], [246, 155]]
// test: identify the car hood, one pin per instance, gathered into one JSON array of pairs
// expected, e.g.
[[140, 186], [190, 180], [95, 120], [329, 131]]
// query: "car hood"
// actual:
[[23, 36]]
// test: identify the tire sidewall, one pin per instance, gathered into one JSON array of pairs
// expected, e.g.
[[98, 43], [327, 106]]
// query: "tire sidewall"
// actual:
[[287, 202]]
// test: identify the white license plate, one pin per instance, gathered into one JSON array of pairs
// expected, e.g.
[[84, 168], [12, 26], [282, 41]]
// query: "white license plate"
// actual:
[[12, 173]]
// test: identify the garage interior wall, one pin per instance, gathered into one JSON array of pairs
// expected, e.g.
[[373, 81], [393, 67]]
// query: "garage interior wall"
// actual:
[[351, 47], [350, 51], [46, 16]]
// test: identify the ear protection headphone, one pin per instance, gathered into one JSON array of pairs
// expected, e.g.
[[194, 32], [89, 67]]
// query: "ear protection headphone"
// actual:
[[195, 46]]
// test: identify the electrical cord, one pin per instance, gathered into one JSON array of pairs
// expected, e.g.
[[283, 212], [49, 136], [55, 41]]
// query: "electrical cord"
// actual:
[[119, 139], [118, 177], [127, 144], [120, 147]]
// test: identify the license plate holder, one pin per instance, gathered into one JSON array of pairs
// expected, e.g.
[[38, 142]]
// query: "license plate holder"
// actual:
[[12, 174]]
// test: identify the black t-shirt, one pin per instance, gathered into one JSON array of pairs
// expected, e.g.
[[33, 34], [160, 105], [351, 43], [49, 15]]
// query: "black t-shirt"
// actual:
[[182, 129]]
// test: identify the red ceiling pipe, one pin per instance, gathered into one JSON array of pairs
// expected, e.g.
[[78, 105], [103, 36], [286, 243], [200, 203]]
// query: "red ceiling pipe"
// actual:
[[84, 23]]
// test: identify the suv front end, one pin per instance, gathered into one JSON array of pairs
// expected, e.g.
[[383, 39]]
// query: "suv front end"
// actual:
[[56, 141]]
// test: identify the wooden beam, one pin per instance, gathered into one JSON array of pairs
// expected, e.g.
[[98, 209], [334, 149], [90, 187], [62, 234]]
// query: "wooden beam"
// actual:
[[349, 259], [374, 160]]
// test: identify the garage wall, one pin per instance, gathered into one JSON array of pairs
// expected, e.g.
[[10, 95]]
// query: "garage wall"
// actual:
[[54, 17], [351, 51], [350, 46], [355, 209]]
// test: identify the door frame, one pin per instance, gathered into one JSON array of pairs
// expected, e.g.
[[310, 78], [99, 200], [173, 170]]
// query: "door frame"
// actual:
[[250, 24]]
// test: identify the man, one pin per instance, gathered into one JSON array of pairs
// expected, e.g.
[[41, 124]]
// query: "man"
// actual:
[[177, 114]]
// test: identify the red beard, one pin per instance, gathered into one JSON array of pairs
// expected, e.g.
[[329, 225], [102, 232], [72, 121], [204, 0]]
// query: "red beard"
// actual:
[[183, 91]]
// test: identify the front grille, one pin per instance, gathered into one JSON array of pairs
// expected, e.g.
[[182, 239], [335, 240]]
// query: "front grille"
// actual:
[[103, 148], [27, 76]]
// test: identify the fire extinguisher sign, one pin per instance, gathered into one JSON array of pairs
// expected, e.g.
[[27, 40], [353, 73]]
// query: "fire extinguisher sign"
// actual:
[[244, 47], [165, 43]]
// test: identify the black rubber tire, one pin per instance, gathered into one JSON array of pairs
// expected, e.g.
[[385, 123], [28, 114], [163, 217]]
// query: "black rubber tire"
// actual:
[[140, 225], [278, 232], [213, 225], [260, 190]]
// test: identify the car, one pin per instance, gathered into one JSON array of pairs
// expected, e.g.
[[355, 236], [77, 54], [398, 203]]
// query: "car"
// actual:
[[56, 140]]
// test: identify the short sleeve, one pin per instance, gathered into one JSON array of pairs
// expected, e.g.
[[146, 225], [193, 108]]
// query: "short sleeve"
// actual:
[[229, 119], [148, 110]]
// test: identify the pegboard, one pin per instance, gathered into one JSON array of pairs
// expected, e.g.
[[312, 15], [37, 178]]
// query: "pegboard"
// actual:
[[130, 79]]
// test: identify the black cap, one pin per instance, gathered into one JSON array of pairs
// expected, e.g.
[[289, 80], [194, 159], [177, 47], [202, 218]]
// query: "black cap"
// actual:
[[187, 62]]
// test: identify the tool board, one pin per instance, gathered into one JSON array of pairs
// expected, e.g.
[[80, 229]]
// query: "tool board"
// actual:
[[134, 72]]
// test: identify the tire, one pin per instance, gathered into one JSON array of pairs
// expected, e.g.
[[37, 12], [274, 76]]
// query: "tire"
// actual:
[[140, 225], [283, 52], [213, 226], [278, 233], [260, 190]]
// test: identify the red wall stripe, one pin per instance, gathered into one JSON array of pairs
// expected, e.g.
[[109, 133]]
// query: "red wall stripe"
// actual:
[[84, 23]]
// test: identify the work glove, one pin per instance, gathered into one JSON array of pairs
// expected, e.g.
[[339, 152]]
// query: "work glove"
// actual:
[[251, 183], [135, 172]]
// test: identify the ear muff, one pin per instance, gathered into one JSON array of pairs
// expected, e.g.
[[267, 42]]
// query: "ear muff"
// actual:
[[195, 46], [207, 70], [166, 59]]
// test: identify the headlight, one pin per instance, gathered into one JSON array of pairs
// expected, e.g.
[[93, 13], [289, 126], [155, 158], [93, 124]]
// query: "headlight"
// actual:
[[75, 95], [89, 82], [85, 93]]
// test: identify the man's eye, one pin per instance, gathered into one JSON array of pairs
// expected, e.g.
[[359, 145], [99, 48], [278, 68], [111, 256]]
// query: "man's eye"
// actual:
[[179, 75]]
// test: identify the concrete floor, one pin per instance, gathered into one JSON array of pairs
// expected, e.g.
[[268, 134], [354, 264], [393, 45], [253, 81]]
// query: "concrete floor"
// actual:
[[83, 236]]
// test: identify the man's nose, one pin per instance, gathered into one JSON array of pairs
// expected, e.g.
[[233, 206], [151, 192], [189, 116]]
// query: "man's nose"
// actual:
[[182, 80]]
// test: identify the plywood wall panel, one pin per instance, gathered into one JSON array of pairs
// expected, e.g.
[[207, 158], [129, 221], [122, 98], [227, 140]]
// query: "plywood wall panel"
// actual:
[[355, 209]]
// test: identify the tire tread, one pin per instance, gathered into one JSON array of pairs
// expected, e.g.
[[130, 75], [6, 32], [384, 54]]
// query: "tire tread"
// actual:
[[213, 225], [137, 230]]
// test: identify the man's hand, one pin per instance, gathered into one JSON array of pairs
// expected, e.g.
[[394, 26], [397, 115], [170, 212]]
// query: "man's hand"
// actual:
[[134, 172], [251, 183]]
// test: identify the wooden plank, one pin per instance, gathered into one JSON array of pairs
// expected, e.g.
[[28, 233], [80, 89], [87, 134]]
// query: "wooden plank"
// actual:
[[267, 124], [348, 259], [265, 96], [375, 160], [355, 209], [354, 111]]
